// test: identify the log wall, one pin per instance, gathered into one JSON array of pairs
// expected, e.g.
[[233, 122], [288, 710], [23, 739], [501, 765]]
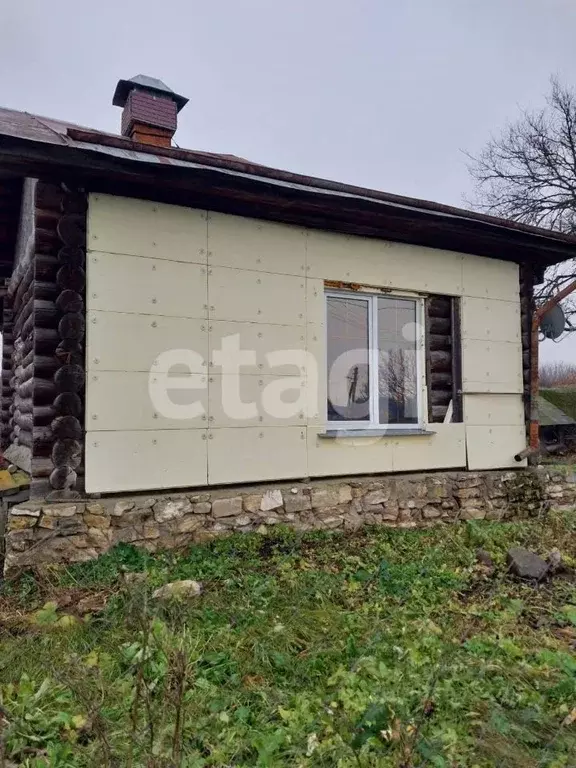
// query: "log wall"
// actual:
[[43, 356], [443, 367]]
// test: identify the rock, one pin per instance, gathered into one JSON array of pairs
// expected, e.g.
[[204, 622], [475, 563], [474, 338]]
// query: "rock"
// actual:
[[297, 501], [95, 509], [96, 521], [430, 511], [178, 590], [202, 508], [325, 497], [123, 506], [59, 510], [375, 497], [227, 507], [171, 510], [271, 500], [344, 494], [18, 523], [525, 564], [252, 502], [188, 524], [554, 560], [484, 558], [242, 520], [25, 511]]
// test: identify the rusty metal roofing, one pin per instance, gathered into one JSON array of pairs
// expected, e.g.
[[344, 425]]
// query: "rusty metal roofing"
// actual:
[[47, 131]]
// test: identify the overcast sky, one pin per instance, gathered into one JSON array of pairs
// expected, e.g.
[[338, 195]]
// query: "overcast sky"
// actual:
[[381, 93]]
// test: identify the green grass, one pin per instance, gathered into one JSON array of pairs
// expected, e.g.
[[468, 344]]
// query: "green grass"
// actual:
[[563, 398], [380, 648]]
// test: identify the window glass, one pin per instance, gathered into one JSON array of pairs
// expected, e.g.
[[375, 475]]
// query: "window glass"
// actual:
[[397, 368], [348, 356]]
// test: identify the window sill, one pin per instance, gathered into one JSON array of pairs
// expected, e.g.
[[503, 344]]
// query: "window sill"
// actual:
[[332, 434]]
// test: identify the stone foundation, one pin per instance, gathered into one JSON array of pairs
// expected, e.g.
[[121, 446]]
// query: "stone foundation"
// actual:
[[68, 532]]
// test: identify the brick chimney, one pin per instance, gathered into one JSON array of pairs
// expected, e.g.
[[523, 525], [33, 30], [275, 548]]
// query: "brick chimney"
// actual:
[[150, 110]]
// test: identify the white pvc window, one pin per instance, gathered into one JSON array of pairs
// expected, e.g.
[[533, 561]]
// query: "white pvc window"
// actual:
[[375, 348]]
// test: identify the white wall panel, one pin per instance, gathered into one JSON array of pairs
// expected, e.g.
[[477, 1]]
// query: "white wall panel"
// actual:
[[120, 341], [493, 366], [118, 283], [490, 278], [253, 454], [382, 263], [263, 339], [144, 228], [121, 400], [142, 460], [494, 410], [260, 297], [494, 447], [347, 456], [445, 449], [236, 241], [490, 319], [259, 404]]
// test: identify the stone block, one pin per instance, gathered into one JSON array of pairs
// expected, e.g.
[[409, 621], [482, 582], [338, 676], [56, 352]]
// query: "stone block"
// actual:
[[227, 507], [202, 508], [94, 508], [123, 506], [375, 497], [24, 512], [252, 502], [344, 494], [472, 513], [430, 511], [271, 500], [60, 510], [96, 521], [242, 521], [298, 502], [166, 510], [325, 497], [18, 523], [189, 524]]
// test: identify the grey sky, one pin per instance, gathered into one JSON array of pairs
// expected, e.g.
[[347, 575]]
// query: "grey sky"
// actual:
[[380, 93]]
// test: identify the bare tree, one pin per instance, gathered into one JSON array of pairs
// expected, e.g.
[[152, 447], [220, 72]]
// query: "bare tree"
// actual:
[[558, 374], [528, 174]]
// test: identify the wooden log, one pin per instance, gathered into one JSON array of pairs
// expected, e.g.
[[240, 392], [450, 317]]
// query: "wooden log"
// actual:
[[440, 396], [69, 378], [64, 427], [46, 267], [438, 341], [70, 301], [72, 326], [439, 413], [70, 351], [70, 277], [441, 380], [439, 306], [45, 366], [72, 229], [440, 362], [49, 196], [68, 404], [440, 325], [43, 391], [67, 453], [75, 202], [63, 477], [43, 415], [45, 340], [73, 255], [46, 241], [42, 466], [46, 290]]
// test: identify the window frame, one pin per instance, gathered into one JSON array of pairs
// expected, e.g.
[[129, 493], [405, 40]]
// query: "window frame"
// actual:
[[371, 298]]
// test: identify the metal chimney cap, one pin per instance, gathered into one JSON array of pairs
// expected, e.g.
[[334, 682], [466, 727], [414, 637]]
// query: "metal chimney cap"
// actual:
[[145, 83]]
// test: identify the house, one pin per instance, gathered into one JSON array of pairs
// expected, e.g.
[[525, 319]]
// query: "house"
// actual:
[[175, 319]]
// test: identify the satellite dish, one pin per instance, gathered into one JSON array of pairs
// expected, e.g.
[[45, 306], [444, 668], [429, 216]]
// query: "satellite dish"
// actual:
[[553, 323]]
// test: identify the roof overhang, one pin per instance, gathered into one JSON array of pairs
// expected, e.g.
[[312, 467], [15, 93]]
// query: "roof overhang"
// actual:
[[114, 165]]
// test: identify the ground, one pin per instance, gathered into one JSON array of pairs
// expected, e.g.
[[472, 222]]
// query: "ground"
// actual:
[[379, 648]]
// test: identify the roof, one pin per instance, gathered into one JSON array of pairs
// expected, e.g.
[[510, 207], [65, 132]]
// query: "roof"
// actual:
[[52, 149]]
